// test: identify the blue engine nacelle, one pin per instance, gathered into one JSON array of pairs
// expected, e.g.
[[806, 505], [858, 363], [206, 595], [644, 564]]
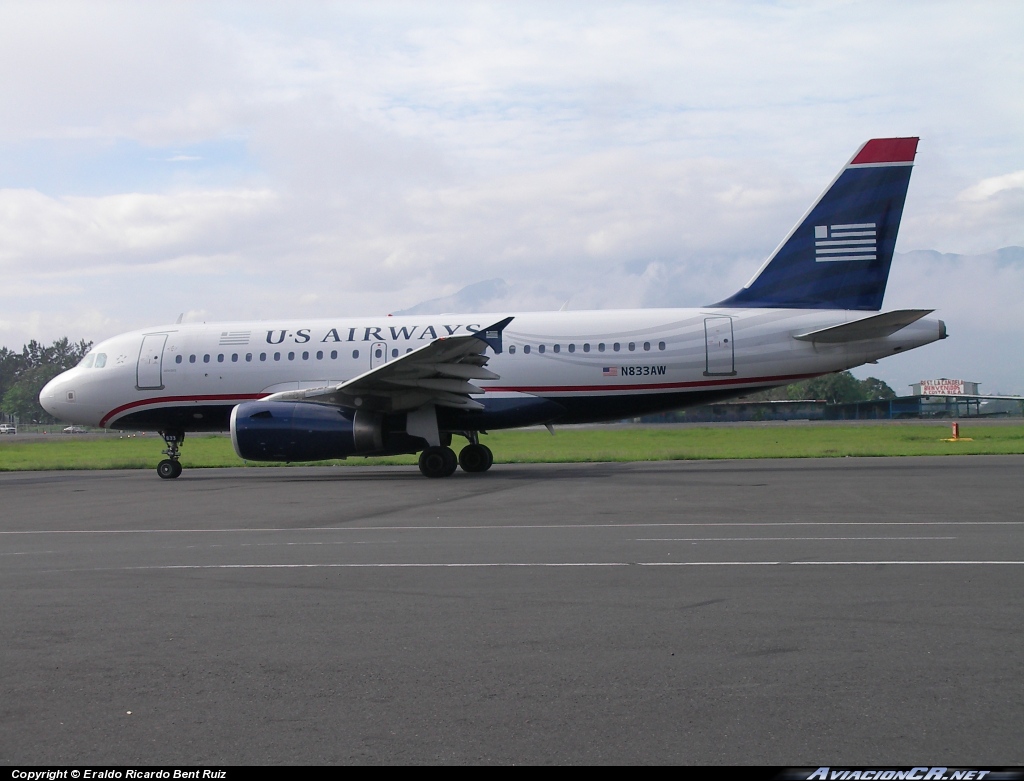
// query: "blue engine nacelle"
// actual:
[[304, 431]]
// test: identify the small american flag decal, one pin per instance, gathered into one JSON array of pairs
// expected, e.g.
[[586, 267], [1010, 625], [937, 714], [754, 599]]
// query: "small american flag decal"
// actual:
[[234, 337], [610, 371]]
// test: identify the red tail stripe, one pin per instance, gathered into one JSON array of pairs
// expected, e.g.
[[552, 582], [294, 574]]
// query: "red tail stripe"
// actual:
[[887, 150]]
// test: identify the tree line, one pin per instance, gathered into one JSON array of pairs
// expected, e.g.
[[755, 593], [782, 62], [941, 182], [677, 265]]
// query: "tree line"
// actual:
[[23, 375], [838, 388]]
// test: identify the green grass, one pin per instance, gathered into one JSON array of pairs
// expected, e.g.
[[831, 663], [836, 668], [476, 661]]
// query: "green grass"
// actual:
[[569, 445]]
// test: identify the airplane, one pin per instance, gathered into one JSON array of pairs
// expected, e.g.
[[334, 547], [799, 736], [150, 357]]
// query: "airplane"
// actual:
[[309, 390]]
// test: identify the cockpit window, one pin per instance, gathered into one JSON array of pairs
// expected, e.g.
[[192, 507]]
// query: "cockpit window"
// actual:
[[88, 360], [101, 360]]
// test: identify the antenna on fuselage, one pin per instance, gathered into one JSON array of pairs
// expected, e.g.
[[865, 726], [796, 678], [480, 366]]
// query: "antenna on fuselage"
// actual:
[[178, 321]]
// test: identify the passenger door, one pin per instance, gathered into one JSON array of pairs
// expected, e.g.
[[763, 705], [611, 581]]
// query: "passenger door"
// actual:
[[149, 374], [721, 355]]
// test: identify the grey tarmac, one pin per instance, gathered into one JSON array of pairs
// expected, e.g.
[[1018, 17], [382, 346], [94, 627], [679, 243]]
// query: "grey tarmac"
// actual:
[[782, 612]]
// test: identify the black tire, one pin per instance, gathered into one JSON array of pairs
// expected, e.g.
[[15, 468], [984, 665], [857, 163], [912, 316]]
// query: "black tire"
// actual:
[[438, 462], [166, 469], [451, 462], [476, 458], [177, 469]]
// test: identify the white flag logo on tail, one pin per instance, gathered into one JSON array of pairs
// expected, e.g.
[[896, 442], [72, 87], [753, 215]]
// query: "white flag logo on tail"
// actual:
[[845, 242]]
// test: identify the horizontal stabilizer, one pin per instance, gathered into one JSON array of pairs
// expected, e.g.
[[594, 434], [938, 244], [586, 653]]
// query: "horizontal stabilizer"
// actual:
[[875, 327]]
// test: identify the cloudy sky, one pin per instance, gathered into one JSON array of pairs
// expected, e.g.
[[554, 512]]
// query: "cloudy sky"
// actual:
[[247, 160]]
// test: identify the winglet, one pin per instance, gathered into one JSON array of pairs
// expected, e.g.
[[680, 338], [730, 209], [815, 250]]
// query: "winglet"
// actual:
[[492, 334]]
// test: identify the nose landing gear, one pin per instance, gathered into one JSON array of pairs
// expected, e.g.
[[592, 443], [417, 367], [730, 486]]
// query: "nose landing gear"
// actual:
[[170, 467]]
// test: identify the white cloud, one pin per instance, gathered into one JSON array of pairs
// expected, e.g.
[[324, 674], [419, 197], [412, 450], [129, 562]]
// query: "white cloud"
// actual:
[[986, 188]]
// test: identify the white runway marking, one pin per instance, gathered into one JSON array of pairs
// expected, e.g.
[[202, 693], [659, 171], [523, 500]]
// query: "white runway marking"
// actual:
[[519, 526], [567, 564], [776, 539]]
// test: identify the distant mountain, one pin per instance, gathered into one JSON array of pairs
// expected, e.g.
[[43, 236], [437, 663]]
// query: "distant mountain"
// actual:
[[1006, 255], [477, 297]]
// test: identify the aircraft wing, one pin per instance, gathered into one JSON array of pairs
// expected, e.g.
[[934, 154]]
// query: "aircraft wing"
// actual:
[[874, 327], [437, 373]]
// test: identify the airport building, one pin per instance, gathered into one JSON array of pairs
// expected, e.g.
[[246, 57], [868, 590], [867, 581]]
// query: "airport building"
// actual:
[[941, 398]]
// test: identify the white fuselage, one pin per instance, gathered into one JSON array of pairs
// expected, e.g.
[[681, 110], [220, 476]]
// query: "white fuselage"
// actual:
[[596, 364]]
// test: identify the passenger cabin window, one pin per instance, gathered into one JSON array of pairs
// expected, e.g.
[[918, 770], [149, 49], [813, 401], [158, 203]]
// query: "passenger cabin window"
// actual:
[[263, 356], [647, 346], [191, 359], [234, 357], [220, 358], [319, 355], [305, 356], [291, 356], [558, 348], [526, 349], [632, 346], [394, 353], [661, 345], [586, 347], [511, 349], [177, 359], [277, 356], [355, 354], [248, 357], [540, 348], [600, 347], [572, 348], [206, 358], [615, 347]]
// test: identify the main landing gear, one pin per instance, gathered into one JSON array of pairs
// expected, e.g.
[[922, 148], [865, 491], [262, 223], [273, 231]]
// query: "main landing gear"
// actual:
[[170, 467], [440, 461]]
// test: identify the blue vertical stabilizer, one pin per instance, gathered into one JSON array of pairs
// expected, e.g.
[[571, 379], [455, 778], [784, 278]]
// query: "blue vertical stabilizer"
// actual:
[[838, 256]]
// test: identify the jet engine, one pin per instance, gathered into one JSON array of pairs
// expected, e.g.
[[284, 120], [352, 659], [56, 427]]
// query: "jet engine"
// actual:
[[305, 431]]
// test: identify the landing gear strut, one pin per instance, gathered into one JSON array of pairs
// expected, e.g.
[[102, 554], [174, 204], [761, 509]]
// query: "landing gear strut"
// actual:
[[170, 467]]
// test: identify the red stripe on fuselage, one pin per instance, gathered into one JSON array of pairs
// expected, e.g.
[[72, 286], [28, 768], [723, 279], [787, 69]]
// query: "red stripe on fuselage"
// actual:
[[533, 389], [237, 398], [649, 386]]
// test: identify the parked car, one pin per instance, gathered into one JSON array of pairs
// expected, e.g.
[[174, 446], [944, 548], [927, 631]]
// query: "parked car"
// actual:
[[76, 430], [7, 428]]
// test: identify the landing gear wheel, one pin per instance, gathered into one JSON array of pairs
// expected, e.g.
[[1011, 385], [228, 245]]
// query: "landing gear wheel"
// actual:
[[438, 462], [168, 469], [476, 458]]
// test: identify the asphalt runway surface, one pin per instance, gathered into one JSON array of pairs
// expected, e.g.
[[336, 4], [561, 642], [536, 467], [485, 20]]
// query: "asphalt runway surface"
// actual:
[[786, 612]]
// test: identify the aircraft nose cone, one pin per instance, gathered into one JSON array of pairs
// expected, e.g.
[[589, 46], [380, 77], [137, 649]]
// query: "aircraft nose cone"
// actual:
[[55, 395]]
